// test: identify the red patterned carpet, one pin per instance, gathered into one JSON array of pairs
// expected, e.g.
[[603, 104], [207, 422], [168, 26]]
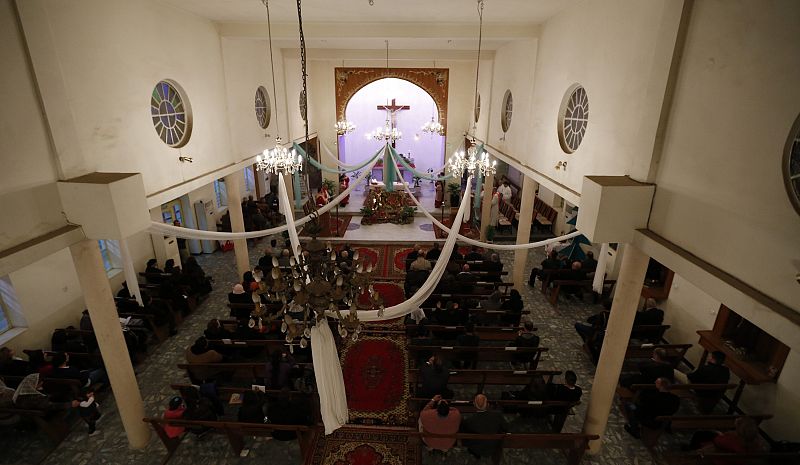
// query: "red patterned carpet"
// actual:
[[466, 230], [375, 370], [332, 231], [391, 293], [348, 446]]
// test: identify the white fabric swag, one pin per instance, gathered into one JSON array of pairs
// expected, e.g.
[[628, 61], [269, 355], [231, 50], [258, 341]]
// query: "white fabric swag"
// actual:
[[157, 227]]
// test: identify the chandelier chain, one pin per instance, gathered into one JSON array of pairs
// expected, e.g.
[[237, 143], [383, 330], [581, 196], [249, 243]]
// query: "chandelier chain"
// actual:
[[480, 40], [272, 68], [305, 93]]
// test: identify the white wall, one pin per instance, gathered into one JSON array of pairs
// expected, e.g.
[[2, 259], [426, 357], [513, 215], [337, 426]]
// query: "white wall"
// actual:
[[132, 45], [720, 190], [689, 309], [620, 52], [247, 67]]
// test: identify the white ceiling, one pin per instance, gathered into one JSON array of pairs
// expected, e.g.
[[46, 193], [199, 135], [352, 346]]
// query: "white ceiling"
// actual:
[[383, 11]]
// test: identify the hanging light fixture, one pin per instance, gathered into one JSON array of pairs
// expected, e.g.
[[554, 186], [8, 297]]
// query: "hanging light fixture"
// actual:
[[386, 133], [476, 98], [469, 162], [433, 128], [278, 158]]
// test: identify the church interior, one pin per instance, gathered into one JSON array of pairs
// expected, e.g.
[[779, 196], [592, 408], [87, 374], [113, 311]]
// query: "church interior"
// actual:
[[392, 233]]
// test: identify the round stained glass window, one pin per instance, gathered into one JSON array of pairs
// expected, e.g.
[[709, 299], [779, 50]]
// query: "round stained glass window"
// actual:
[[573, 118], [303, 106], [171, 113], [478, 108], [508, 110], [791, 165], [263, 109]]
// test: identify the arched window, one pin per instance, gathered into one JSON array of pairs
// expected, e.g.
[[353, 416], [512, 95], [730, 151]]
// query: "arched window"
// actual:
[[508, 110], [791, 165], [171, 113], [573, 118], [263, 109]]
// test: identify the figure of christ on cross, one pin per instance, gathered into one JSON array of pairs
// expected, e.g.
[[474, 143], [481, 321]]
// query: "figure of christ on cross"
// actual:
[[391, 110]]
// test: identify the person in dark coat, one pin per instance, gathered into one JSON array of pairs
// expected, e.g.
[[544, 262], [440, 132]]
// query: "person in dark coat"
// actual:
[[513, 307], [468, 360], [252, 408], [434, 379], [651, 370], [648, 405], [286, 410], [279, 369], [649, 315], [484, 421]]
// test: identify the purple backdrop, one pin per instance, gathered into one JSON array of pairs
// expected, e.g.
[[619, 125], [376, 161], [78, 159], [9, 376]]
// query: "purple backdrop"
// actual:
[[427, 152]]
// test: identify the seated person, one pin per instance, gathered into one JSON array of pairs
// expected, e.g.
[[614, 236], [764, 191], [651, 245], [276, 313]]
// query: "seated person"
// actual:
[[279, 369], [484, 421], [238, 295], [567, 392], [152, 267], [513, 307], [744, 439], [252, 408], [526, 337], [651, 370], [434, 253], [648, 405], [196, 277], [198, 408], [494, 265], [420, 263], [595, 322], [199, 352], [536, 389], [438, 417], [174, 411], [468, 360], [215, 330], [29, 396], [170, 268], [63, 370], [11, 365], [474, 254], [433, 378], [287, 410], [494, 302], [550, 263], [589, 264], [713, 371], [575, 273], [649, 315], [161, 314]]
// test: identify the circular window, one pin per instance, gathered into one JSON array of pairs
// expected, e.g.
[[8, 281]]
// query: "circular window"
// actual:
[[478, 108], [791, 165], [263, 110], [573, 118], [303, 106], [171, 113], [508, 110]]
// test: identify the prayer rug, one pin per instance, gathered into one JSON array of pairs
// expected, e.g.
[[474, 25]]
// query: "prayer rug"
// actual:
[[375, 370], [350, 446]]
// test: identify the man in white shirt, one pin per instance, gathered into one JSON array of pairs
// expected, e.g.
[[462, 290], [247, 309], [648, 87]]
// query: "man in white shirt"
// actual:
[[505, 191]]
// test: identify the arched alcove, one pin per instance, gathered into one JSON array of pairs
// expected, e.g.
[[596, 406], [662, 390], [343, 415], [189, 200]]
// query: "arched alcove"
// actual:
[[362, 109]]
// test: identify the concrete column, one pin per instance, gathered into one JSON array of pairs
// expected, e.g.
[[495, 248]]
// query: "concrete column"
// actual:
[[615, 343], [486, 205], [159, 247], [524, 231], [130, 272], [233, 182], [100, 302], [290, 189]]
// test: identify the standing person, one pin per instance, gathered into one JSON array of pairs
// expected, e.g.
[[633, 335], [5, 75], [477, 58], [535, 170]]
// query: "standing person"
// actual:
[[89, 410], [484, 421], [182, 250], [494, 214], [505, 190], [278, 370], [438, 417], [439, 199], [344, 183]]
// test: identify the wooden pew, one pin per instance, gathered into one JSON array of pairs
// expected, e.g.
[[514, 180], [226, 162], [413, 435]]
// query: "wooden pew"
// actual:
[[238, 370], [675, 352], [716, 458], [483, 378], [234, 431], [485, 354], [53, 424], [50, 386], [573, 444], [226, 392], [687, 391], [486, 333], [558, 410], [694, 423]]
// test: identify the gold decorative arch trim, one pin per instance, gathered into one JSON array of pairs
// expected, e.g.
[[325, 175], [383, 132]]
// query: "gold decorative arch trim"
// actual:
[[434, 81]]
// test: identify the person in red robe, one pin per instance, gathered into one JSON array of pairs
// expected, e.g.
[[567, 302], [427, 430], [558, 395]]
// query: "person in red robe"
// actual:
[[322, 196], [344, 183]]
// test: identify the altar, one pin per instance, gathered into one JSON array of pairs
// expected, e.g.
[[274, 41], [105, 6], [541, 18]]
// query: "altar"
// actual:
[[406, 174]]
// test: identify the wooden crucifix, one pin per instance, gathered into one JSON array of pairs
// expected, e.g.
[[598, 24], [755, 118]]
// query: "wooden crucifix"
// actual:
[[392, 110]]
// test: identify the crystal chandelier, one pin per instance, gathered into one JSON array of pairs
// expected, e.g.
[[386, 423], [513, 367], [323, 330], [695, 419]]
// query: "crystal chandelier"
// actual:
[[316, 283], [344, 127], [470, 163], [385, 133], [279, 159], [433, 128]]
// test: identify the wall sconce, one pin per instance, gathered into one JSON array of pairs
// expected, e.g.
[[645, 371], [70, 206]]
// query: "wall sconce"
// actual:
[[185, 159], [561, 165]]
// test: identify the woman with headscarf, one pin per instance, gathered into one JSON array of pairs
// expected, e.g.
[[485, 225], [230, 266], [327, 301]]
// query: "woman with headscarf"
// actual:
[[513, 307], [29, 396], [194, 273]]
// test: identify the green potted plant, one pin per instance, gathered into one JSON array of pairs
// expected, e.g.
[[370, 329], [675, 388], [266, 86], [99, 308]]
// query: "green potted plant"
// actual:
[[407, 214], [455, 194], [330, 185]]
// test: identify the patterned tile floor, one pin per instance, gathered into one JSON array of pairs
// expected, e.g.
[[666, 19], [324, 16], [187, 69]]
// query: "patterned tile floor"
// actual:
[[159, 370]]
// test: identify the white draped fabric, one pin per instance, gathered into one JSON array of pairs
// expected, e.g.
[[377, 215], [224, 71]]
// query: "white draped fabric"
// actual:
[[600, 272], [487, 245], [413, 303], [288, 213], [330, 382], [188, 233]]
